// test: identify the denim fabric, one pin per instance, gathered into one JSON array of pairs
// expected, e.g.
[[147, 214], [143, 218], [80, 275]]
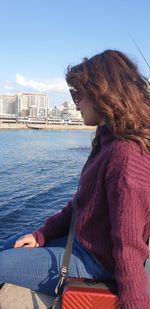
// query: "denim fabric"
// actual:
[[147, 269], [37, 268]]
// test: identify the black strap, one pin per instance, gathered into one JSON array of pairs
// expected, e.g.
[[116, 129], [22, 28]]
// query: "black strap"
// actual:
[[67, 254]]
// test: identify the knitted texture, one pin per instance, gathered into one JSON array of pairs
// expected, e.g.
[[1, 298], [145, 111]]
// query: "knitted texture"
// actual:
[[113, 216]]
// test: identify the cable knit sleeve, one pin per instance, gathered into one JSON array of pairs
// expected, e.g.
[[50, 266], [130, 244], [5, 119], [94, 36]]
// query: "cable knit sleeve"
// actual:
[[128, 196], [55, 226]]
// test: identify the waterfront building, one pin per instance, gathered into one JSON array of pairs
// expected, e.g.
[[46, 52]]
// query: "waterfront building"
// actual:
[[23, 105], [68, 112], [33, 105], [55, 112], [8, 105], [49, 112]]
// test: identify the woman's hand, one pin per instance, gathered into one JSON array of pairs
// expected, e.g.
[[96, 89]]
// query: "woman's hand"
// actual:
[[26, 241]]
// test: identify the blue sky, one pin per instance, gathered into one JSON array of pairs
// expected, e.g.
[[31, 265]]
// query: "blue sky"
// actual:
[[40, 38]]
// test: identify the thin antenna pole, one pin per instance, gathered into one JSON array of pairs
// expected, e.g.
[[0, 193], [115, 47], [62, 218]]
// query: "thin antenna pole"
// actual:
[[139, 51]]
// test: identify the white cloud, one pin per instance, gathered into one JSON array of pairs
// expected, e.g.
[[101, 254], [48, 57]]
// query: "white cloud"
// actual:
[[58, 85], [7, 87]]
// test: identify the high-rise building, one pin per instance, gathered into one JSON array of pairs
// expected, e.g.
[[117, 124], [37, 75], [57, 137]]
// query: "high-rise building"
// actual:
[[8, 105], [68, 111], [33, 105], [55, 112], [23, 105]]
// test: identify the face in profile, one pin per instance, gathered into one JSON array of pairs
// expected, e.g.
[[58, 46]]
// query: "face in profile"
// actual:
[[89, 114]]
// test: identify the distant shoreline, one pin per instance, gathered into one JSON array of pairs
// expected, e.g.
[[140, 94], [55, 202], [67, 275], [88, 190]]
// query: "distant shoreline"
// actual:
[[48, 127]]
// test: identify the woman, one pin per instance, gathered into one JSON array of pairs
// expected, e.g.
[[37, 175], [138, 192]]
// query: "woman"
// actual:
[[113, 217]]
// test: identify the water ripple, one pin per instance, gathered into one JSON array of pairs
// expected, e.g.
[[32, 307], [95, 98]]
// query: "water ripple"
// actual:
[[39, 173]]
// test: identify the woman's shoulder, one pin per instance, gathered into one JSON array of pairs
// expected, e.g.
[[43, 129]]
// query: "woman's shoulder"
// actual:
[[121, 148], [127, 158]]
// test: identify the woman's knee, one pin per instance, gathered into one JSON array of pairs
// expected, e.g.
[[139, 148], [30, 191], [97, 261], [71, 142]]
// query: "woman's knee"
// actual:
[[6, 264]]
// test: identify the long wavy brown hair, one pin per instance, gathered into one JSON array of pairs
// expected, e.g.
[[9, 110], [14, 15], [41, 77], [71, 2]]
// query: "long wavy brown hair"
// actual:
[[118, 92]]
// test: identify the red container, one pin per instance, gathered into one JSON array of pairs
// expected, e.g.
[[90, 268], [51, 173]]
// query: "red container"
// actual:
[[84, 294]]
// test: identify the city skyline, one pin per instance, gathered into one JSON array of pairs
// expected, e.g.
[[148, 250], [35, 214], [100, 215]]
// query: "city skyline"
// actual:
[[39, 39], [7, 94], [27, 106]]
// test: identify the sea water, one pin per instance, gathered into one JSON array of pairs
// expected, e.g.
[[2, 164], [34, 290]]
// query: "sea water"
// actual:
[[39, 172]]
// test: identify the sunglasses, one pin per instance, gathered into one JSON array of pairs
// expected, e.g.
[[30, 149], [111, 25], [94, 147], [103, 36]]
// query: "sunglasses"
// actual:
[[76, 97]]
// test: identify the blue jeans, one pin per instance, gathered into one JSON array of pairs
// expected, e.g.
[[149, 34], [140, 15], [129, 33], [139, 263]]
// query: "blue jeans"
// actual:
[[38, 268]]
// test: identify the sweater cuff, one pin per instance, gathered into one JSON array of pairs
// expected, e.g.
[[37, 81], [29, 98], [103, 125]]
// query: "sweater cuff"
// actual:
[[39, 237]]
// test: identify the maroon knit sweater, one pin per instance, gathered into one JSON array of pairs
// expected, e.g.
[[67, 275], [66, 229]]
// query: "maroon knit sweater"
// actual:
[[113, 217]]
